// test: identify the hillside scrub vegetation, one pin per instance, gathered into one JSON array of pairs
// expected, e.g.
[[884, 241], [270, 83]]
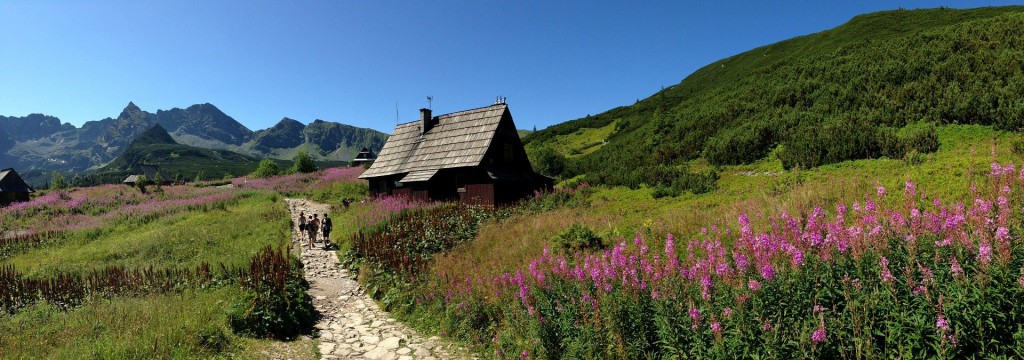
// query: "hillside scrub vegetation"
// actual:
[[871, 88], [267, 168], [302, 163]]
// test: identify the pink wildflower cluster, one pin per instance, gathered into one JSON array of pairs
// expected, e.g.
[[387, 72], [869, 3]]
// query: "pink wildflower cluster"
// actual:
[[98, 206], [301, 182], [381, 208], [766, 247]]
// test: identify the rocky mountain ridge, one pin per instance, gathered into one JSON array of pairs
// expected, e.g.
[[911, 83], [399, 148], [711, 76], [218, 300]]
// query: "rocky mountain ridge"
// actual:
[[42, 142]]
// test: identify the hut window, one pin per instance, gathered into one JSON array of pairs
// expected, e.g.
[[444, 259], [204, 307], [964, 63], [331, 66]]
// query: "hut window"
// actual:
[[509, 152]]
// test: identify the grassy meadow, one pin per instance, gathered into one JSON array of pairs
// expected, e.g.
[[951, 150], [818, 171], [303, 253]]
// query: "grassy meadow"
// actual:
[[965, 155], [745, 279], [123, 228]]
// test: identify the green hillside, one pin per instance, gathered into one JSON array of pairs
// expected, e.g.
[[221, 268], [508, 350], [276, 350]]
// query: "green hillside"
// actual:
[[156, 147], [870, 88]]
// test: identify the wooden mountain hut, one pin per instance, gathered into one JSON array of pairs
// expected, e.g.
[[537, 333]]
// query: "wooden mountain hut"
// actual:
[[473, 156], [151, 172], [364, 156], [12, 188]]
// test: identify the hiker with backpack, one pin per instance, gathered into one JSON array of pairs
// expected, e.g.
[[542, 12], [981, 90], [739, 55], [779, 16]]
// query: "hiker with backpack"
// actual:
[[302, 224], [327, 227], [313, 227]]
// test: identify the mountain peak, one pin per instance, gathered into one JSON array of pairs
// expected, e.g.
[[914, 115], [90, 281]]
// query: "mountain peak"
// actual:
[[288, 122], [155, 135], [129, 111]]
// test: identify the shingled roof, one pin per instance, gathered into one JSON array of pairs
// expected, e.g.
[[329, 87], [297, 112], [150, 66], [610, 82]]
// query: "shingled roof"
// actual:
[[457, 140], [150, 171], [11, 182]]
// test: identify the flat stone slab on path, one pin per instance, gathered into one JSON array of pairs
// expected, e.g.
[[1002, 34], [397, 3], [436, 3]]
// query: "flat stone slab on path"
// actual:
[[352, 326]]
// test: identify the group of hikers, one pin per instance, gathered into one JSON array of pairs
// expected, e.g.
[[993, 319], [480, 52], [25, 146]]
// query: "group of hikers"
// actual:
[[312, 226]]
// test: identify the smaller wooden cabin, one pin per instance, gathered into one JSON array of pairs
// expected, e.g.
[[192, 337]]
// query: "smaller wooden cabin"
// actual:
[[364, 156], [12, 188], [473, 156], [151, 172]]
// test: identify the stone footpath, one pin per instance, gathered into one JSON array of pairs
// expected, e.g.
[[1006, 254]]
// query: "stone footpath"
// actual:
[[351, 325]]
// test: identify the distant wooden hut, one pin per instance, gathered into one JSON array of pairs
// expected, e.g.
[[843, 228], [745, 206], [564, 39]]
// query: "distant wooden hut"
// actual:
[[12, 188], [473, 156], [364, 156], [151, 172]]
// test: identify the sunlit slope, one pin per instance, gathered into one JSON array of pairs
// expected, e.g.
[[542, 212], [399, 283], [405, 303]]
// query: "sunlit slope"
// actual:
[[841, 94]]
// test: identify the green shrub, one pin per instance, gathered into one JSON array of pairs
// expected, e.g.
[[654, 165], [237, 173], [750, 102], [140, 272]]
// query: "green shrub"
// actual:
[[921, 137], [212, 338], [914, 158], [577, 237], [303, 163], [546, 161], [741, 145], [1018, 146], [267, 168], [408, 240], [666, 191], [275, 303]]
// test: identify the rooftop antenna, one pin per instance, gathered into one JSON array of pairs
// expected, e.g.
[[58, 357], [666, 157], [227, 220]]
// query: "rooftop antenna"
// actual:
[[398, 119], [499, 100], [430, 102]]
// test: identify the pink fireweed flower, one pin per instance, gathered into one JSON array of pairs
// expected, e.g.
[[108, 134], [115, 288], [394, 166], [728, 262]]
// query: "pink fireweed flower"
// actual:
[[880, 191], [727, 312], [798, 257], [754, 285], [819, 335], [695, 317], [767, 326], [670, 246], [956, 269], [741, 261], [910, 188], [1002, 233], [886, 274], [942, 324], [870, 206], [1021, 280], [767, 271], [716, 327], [985, 253], [819, 308]]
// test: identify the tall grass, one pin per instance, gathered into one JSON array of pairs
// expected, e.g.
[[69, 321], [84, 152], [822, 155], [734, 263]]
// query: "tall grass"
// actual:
[[159, 326], [231, 235]]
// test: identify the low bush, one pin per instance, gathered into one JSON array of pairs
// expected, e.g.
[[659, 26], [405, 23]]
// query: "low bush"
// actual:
[[275, 303], [666, 191], [576, 238], [679, 177], [407, 241]]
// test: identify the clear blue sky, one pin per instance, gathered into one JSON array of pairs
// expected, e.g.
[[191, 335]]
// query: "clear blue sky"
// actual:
[[351, 61]]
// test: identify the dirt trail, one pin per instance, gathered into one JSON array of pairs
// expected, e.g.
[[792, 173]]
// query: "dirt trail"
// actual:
[[351, 325]]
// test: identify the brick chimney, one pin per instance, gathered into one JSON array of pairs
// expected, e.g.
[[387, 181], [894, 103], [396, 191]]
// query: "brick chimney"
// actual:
[[426, 121]]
